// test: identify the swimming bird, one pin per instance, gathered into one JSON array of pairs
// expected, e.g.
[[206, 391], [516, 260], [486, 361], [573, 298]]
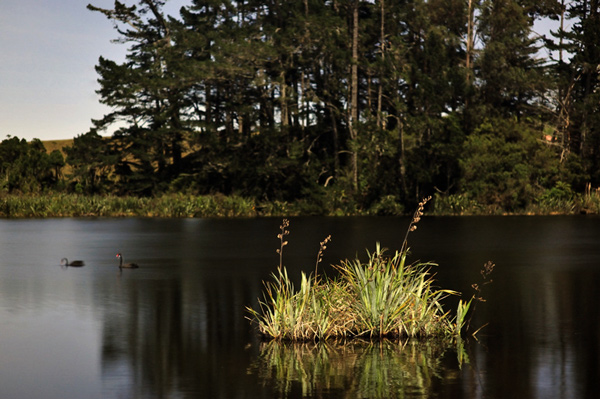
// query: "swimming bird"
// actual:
[[75, 263], [126, 265]]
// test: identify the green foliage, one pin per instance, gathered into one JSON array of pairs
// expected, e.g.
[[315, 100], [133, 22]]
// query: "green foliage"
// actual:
[[578, 84], [27, 168], [590, 202], [559, 198], [461, 315], [513, 81], [91, 161], [388, 205], [389, 298], [498, 165], [456, 204]]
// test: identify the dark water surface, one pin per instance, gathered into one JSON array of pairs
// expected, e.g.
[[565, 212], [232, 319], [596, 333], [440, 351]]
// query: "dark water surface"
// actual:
[[176, 327]]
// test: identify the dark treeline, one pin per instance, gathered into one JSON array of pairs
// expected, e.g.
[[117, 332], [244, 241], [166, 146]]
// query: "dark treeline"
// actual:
[[362, 104]]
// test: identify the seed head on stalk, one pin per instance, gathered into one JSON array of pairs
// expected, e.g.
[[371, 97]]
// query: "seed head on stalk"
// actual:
[[413, 223], [322, 248], [284, 232]]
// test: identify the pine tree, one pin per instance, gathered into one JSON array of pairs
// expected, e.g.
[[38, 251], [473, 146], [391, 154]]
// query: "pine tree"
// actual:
[[512, 79], [92, 163], [579, 101], [146, 94]]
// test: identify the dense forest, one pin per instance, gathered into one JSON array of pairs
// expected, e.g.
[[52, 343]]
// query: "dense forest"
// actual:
[[340, 104]]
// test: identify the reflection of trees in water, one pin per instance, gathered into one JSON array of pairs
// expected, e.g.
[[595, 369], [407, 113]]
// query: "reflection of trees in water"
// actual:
[[554, 348], [164, 338], [355, 369]]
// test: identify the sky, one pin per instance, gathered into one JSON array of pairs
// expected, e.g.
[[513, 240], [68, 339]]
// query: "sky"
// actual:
[[48, 50]]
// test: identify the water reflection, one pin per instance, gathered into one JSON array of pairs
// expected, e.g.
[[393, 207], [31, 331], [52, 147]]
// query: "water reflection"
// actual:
[[176, 327], [166, 336], [545, 335], [356, 369]]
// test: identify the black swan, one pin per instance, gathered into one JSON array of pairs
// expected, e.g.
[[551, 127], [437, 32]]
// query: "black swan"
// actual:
[[126, 265], [75, 263]]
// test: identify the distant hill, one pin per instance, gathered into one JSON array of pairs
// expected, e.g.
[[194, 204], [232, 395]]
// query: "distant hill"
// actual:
[[52, 145]]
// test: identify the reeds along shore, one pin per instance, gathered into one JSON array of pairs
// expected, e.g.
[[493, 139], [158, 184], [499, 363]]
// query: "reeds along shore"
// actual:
[[187, 205], [382, 297], [75, 205]]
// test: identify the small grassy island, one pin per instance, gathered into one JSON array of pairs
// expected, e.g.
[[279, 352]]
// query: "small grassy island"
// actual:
[[383, 297]]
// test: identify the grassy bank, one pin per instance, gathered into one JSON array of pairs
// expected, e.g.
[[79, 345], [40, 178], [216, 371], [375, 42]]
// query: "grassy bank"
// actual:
[[180, 205], [554, 202], [167, 205], [73, 205]]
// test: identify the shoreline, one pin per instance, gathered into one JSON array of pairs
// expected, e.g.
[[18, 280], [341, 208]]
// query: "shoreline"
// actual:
[[58, 205]]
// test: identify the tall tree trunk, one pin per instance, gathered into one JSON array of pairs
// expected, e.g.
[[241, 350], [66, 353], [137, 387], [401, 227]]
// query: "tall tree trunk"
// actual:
[[470, 40], [354, 94], [284, 101], [382, 49], [304, 103], [469, 74], [401, 158], [336, 140]]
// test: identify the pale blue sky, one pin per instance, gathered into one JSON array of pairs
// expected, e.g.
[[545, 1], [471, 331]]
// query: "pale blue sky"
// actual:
[[48, 50]]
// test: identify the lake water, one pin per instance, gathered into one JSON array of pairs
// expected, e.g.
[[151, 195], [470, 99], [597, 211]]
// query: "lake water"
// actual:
[[176, 327]]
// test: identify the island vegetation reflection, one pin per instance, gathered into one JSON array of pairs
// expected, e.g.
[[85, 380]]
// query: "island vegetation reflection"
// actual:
[[373, 369]]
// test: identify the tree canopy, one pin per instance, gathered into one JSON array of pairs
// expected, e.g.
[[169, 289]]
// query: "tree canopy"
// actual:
[[345, 100]]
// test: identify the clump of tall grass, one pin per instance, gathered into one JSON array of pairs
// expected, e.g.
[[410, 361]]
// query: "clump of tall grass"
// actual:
[[382, 297], [560, 199], [389, 298], [286, 313], [457, 204]]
